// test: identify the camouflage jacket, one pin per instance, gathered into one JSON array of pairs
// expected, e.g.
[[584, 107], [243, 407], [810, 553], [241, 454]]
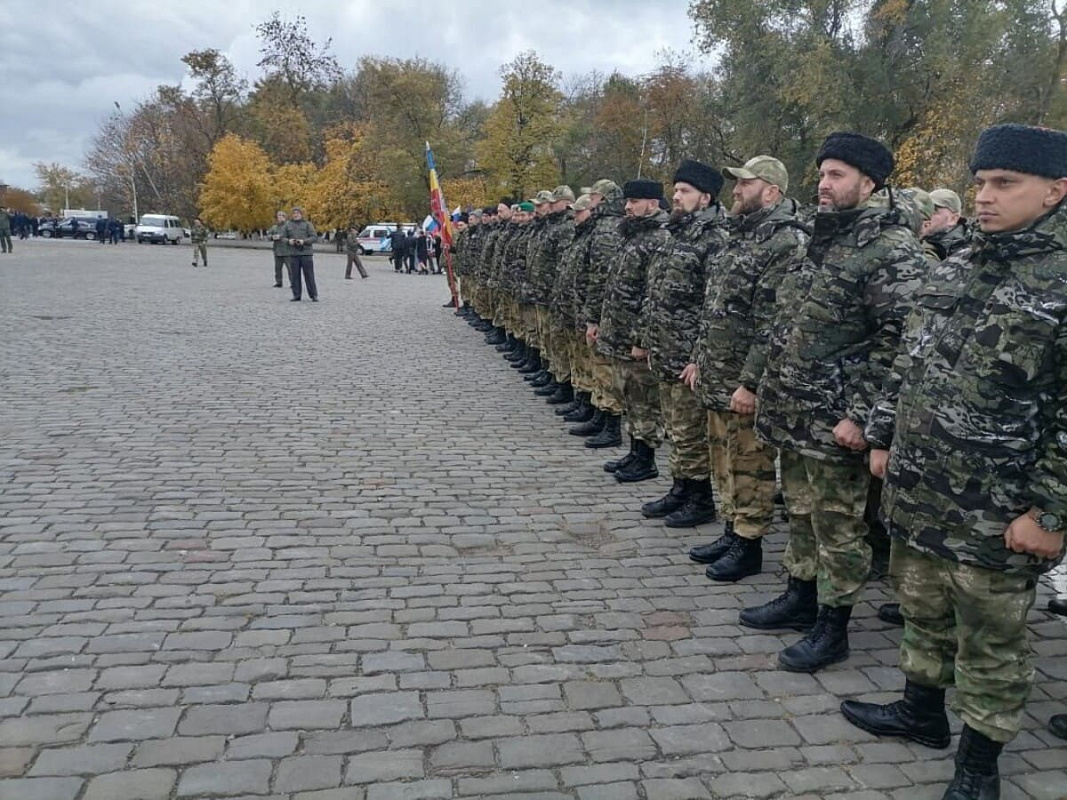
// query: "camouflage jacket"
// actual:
[[533, 244], [624, 292], [493, 258], [198, 233], [459, 252], [513, 263], [947, 243], [565, 292], [483, 268], [841, 309], [979, 432], [475, 246], [670, 316], [546, 252], [741, 301], [604, 248]]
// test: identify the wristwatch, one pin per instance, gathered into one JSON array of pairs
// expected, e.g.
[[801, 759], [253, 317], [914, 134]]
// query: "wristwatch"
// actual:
[[1047, 521]]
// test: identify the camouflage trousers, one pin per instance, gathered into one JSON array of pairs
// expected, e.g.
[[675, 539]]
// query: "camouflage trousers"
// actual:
[[686, 424], [578, 353], [638, 387], [966, 626], [511, 315], [825, 500], [743, 467], [529, 324], [606, 396]]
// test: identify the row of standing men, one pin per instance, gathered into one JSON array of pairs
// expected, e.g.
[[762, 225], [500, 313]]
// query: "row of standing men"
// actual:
[[839, 342]]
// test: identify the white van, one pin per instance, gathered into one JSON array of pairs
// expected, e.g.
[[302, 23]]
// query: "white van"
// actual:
[[376, 238], [159, 229]]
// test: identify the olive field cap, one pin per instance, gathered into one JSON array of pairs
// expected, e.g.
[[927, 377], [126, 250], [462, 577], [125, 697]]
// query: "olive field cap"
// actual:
[[582, 203], [765, 168], [562, 193], [605, 187], [946, 198], [921, 199]]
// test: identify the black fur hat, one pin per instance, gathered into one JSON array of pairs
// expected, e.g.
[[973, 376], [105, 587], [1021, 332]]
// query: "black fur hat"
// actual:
[[643, 190], [1022, 148], [700, 176], [868, 155]]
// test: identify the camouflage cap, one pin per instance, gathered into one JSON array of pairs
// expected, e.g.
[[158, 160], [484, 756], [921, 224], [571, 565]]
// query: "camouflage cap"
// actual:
[[606, 188], [946, 198], [921, 199], [542, 197], [475, 212], [586, 190], [583, 202], [562, 193], [765, 168]]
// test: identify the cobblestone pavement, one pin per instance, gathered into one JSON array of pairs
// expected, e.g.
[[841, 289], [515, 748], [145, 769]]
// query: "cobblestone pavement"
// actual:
[[338, 552]]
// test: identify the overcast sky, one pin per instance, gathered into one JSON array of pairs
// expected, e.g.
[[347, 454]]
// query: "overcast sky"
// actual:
[[64, 68]]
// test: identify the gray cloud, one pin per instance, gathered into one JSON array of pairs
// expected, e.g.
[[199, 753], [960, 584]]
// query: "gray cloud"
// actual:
[[63, 71]]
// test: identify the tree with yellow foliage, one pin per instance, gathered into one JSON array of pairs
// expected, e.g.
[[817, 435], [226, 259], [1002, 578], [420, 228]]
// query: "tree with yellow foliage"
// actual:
[[347, 190], [522, 128], [237, 189]]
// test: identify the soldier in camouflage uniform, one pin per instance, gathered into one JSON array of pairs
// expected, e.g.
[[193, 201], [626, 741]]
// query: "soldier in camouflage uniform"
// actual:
[[536, 366], [945, 233], [479, 240], [667, 331], [558, 233], [507, 342], [566, 296], [459, 235], [461, 248], [643, 235], [501, 217], [604, 247], [974, 459], [280, 248], [198, 235], [842, 308], [740, 305], [512, 274]]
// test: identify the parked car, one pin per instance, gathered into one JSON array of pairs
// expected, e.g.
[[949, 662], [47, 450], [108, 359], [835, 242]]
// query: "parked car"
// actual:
[[159, 229], [375, 238], [64, 229]]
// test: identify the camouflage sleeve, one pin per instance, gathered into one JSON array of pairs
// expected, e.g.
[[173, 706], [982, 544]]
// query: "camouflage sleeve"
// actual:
[[883, 415], [1048, 485], [607, 241], [787, 244], [888, 298]]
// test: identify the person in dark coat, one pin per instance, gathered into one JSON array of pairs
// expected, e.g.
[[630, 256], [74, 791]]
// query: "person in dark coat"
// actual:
[[422, 252], [398, 242], [101, 230], [409, 252]]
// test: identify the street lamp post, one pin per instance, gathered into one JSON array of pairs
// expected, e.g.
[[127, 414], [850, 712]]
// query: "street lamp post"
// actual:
[[133, 171]]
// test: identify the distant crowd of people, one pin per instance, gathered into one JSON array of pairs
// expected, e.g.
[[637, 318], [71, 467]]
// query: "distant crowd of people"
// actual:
[[415, 251]]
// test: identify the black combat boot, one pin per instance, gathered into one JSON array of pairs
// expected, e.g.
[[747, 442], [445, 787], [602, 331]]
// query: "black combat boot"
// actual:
[[527, 358], [496, 337], [796, 608], [1057, 725], [1058, 605], [710, 553], [508, 345], [742, 560], [825, 644], [533, 364], [592, 426], [616, 464], [519, 354], [584, 412], [482, 325], [919, 716], [672, 501], [977, 776], [890, 612], [563, 394], [610, 435], [543, 380], [699, 507], [577, 401], [642, 468]]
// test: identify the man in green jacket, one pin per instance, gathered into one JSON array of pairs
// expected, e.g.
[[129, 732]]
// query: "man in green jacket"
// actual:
[[300, 236], [970, 434], [5, 231], [198, 235], [281, 249]]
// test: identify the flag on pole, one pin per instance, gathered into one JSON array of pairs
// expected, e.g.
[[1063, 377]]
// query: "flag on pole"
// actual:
[[437, 201]]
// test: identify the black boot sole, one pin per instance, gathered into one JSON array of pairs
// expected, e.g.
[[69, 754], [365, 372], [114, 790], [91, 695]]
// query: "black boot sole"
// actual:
[[811, 669], [636, 477], [703, 519], [732, 577], [801, 627], [918, 738], [600, 445]]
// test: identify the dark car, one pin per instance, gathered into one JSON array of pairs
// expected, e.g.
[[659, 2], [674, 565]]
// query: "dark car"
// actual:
[[65, 229]]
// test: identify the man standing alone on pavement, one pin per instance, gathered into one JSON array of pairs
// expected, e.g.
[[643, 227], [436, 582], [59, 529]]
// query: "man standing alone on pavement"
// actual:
[[198, 235], [352, 253], [300, 235]]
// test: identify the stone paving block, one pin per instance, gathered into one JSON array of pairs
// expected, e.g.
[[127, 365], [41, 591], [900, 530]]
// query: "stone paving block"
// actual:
[[15, 760], [509, 782], [415, 790], [305, 714], [675, 789], [540, 751], [303, 773], [84, 760], [137, 725], [386, 765], [460, 703], [138, 784], [262, 745], [40, 788], [179, 751], [228, 719], [385, 708], [226, 778]]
